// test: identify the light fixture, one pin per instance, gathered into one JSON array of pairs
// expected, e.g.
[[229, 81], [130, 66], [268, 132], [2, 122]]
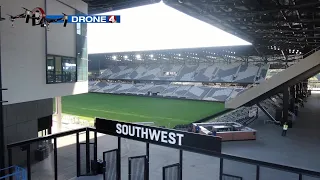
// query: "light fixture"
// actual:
[[138, 56], [179, 54], [151, 55], [114, 57], [126, 57]]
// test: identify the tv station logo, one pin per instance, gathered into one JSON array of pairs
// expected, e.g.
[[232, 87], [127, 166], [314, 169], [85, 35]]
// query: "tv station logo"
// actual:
[[87, 18]]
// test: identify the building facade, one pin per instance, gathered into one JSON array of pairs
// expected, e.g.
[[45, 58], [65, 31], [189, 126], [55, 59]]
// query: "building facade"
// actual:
[[39, 64]]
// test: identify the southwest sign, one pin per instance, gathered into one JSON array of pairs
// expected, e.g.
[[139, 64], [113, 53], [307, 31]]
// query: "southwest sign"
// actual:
[[160, 136]]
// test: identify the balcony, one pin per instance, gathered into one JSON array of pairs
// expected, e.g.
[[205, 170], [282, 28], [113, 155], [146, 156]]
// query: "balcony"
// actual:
[[74, 155]]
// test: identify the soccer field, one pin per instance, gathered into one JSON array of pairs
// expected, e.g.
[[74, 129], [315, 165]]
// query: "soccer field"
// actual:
[[166, 112]]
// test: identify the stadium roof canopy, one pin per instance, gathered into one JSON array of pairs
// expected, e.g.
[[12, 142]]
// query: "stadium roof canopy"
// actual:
[[272, 26], [285, 24], [102, 6]]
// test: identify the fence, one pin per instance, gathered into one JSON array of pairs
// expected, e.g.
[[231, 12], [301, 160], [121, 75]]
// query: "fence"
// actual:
[[137, 168], [110, 159], [171, 172], [70, 154]]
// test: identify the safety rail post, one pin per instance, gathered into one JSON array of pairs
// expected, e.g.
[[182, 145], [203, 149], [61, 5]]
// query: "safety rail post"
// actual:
[[181, 163], [10, 161], [78, 155], [2, 138], [221, 169], [95, 146], [119, 159], [88, 151], [55, 155], [148, 160], [28, 162], [257, 172]]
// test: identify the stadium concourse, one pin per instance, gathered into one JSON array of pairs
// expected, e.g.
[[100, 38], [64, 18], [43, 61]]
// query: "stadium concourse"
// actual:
[[283, 35]]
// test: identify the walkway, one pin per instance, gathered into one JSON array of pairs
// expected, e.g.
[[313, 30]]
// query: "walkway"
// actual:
[[300, 148]]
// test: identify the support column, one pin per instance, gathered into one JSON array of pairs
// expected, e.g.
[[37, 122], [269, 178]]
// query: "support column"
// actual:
[[2, 136], [285, 107], [305, 86], [298, 90], [292, 98], [58, 113]]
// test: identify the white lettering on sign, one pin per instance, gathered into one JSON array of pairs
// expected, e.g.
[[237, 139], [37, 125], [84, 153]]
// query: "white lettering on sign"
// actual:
[[148, 133]]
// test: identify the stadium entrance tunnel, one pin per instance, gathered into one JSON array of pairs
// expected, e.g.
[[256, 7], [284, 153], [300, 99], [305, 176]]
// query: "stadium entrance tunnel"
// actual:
[[104, 152]]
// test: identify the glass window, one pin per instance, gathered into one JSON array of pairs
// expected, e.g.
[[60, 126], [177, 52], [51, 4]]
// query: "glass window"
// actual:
[[58, 69], [82, 54], [78, 28], [50, 69], [61, 69], [69, 69], [82, 58]]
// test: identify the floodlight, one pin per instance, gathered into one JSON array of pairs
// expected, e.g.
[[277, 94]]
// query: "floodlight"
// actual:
[[138, 56], [126, 57], [179, 54], [151, 55], [114, 57]]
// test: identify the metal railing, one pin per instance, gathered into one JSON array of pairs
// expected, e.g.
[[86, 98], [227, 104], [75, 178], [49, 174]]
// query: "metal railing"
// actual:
[[258, 165], [311, 52]]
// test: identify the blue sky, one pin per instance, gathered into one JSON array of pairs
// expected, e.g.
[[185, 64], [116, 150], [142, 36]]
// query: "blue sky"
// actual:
[[155, 27]]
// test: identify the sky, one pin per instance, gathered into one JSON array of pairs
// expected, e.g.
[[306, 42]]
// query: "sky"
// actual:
[[155, 27]]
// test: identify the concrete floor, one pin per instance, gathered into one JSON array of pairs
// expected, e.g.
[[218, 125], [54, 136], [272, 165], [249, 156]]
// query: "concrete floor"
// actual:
[[300, 149]]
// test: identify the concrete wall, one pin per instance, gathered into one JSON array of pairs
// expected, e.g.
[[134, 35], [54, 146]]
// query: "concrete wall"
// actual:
[[61, 40], [24, 56], [275, 81], [21, 119], [21, 123]]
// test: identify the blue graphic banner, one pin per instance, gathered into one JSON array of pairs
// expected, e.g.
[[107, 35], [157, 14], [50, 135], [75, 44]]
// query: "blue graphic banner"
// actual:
[[84, 18]]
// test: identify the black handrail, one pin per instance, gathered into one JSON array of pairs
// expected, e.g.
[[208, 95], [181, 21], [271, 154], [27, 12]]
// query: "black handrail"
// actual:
[[44, 138], [251, 161], [201, 151]]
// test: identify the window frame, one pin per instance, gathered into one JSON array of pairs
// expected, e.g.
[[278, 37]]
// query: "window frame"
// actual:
[[62, 71], [81, 32]]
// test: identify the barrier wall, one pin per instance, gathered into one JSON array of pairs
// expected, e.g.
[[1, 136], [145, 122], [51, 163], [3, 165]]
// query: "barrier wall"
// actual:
[[244, 133]]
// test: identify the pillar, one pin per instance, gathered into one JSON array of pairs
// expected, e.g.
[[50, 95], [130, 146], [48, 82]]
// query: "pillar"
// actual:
[[292, 97], [285, 107], [58, 113]]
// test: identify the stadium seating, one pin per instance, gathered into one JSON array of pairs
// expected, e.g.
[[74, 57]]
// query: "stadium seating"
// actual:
[[240, 115], [207, 93], [218, 72]]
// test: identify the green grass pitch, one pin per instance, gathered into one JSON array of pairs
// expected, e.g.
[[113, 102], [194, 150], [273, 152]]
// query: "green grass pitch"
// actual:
[[166, 112]]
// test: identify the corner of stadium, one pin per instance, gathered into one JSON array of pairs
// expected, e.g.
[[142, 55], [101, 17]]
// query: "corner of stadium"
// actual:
[[240, 112]]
